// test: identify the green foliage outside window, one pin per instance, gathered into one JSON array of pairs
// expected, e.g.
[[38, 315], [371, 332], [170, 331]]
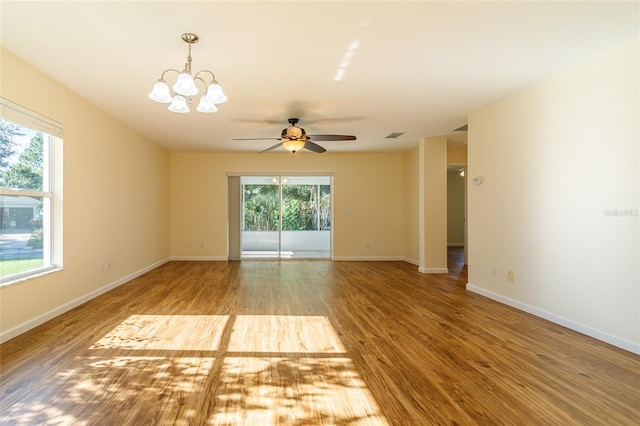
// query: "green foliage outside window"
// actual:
[[26, 171], [260, 207], [304, 207]]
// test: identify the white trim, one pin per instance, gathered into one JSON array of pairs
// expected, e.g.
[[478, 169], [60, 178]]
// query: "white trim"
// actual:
[[41, 319], [199, 258], [25, 117], [573, 325], [369, 259], [433, 270], [411, 261], [341, 258], [28, 275], [287, 174]]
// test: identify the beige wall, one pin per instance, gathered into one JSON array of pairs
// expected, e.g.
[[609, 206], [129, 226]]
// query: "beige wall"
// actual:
[[115, 207], [557, 159], [411, 165], [433, 220], [457, 154], [370, 186]]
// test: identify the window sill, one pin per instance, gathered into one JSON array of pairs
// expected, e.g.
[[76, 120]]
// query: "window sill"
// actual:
[[5, 282]]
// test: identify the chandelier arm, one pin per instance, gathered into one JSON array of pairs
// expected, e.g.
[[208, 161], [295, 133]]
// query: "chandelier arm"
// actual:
[[203, 82], [166, 71], [212, 75]]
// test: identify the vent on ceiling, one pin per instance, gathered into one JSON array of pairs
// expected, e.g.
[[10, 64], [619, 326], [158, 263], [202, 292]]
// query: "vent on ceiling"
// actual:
[[462, 128], [394, 135]]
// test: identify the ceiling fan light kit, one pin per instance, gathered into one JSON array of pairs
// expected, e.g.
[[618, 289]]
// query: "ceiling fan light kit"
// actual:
[[293, 145], [185, 87]]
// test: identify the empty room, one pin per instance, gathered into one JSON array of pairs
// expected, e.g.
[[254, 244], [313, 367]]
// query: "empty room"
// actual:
[[319, 212]]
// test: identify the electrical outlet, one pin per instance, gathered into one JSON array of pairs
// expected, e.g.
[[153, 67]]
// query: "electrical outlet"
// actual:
[[367, 244], [511, 276], [494, 271], [201, 244], [108, 265]]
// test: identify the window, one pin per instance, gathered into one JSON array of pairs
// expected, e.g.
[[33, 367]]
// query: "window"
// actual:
[[27, 197]]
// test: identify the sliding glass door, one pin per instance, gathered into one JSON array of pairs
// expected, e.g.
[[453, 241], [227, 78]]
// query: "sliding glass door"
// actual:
[[286, 216], [260, 217]]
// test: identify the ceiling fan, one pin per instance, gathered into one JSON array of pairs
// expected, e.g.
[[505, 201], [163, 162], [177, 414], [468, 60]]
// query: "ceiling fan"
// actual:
[[294, 139]]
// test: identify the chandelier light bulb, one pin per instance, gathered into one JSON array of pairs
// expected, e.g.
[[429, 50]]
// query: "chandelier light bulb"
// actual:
[[179, 104], [185, 85], [160, 92], [206, 106], [215, 94]]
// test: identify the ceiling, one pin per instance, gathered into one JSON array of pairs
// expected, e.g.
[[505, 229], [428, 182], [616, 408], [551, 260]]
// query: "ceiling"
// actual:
[[415, 67]]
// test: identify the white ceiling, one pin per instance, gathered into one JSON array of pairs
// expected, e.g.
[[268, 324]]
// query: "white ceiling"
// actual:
[[420, 67]]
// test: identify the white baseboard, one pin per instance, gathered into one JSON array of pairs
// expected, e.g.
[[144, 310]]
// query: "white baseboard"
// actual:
[[573, 325], [369, 258], [411, 261], [337, 258], [200, 258], [41, 319], [433, 270]]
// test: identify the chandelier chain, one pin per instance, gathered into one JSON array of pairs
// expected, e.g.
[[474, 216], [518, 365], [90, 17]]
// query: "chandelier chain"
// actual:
[[187, 66]]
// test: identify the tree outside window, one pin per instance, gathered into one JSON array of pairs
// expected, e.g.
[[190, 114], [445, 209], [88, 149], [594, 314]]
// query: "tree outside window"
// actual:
[[304, 207]]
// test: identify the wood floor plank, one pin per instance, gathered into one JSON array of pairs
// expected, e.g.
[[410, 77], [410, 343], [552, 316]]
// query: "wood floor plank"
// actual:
[[307, 342]]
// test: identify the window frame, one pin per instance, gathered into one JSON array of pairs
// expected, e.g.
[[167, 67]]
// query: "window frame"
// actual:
[[51, 186]]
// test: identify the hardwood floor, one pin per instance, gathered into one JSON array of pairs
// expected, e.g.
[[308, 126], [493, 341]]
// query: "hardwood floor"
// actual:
[[306, 342]]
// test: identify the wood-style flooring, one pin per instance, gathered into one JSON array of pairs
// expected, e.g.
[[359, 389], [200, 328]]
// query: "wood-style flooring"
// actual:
[[306, 342]]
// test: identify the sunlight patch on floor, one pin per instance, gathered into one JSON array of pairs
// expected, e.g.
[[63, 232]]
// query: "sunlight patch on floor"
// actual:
[[272, 391], [283, 333], [166, 332], [152, 390]]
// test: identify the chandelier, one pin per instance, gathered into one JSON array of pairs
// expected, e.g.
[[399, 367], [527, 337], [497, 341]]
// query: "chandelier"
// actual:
[[185, 87]]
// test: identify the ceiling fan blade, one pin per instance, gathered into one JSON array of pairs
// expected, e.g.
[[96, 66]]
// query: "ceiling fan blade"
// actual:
[[272, 147], [332, 137], [313, 147], [256, 139]]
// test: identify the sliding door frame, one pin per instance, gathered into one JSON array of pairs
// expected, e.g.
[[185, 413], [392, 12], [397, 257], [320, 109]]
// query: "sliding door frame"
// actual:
[[235, 208]]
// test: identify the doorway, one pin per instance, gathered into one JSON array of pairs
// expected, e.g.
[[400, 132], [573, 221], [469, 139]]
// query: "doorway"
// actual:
[[284, 217], [456, 210]]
